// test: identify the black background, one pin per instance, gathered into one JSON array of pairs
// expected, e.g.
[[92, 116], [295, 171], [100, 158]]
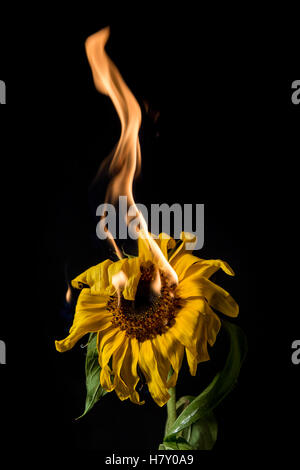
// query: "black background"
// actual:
[[226, 136]]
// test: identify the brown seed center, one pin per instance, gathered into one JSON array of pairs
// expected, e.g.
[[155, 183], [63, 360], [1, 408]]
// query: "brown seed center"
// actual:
[[150, 314]]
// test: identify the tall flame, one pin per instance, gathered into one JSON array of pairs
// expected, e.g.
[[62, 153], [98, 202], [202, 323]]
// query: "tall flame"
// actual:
[[126, 157], [125, 161]]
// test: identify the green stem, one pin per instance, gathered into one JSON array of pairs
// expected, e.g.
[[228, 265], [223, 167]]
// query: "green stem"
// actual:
[[171, 404], [171, 407]]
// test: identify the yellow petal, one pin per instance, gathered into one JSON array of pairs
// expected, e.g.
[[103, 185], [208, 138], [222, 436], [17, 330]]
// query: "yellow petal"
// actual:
[[124, 369], [162, 361], [196, 326], [219, 298], [206, 268], [103, 337], [121, 388], [105, 379], [192, 362], [133, 273], [113, 270], [110, 346], [128, 370], [190, 285], [130, 267], [165, 243], [201, 344], [90, 316], [148, 365], [213, 324], [118, 357], [95, 277], [100, 277], [190, 288], [201, 353], [185, 328], [186, 264], [182, 262], [135, 398], [186, 237], [173, 350]]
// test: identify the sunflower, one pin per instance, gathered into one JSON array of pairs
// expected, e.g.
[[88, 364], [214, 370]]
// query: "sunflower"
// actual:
[[142, 332]]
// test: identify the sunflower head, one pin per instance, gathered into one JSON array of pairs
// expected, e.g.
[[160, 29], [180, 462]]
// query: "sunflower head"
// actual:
[[146, 320]]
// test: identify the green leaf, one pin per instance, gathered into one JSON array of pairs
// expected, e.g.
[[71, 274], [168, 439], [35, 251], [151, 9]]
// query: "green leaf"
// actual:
[[181, 405], [92, 372], [220, 386], [183, 402], [161, 447], [203, 433], [177, 443]]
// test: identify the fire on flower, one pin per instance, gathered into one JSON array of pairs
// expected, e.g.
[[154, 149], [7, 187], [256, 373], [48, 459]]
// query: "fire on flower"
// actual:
[[136, 327], [150, 310]]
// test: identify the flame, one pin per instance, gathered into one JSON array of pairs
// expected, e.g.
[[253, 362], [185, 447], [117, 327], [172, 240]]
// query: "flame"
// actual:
[[159, 258], [113, 242], [126, 157], [125, 160], [69, 295], [119, 281]]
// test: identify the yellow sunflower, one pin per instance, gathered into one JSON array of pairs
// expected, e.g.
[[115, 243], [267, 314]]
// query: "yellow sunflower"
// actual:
[[141, 330]]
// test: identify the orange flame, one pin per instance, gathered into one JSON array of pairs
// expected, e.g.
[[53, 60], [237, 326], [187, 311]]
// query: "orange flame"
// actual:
[[125, 161], [126, 157], [119, 281], [69, 295]]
